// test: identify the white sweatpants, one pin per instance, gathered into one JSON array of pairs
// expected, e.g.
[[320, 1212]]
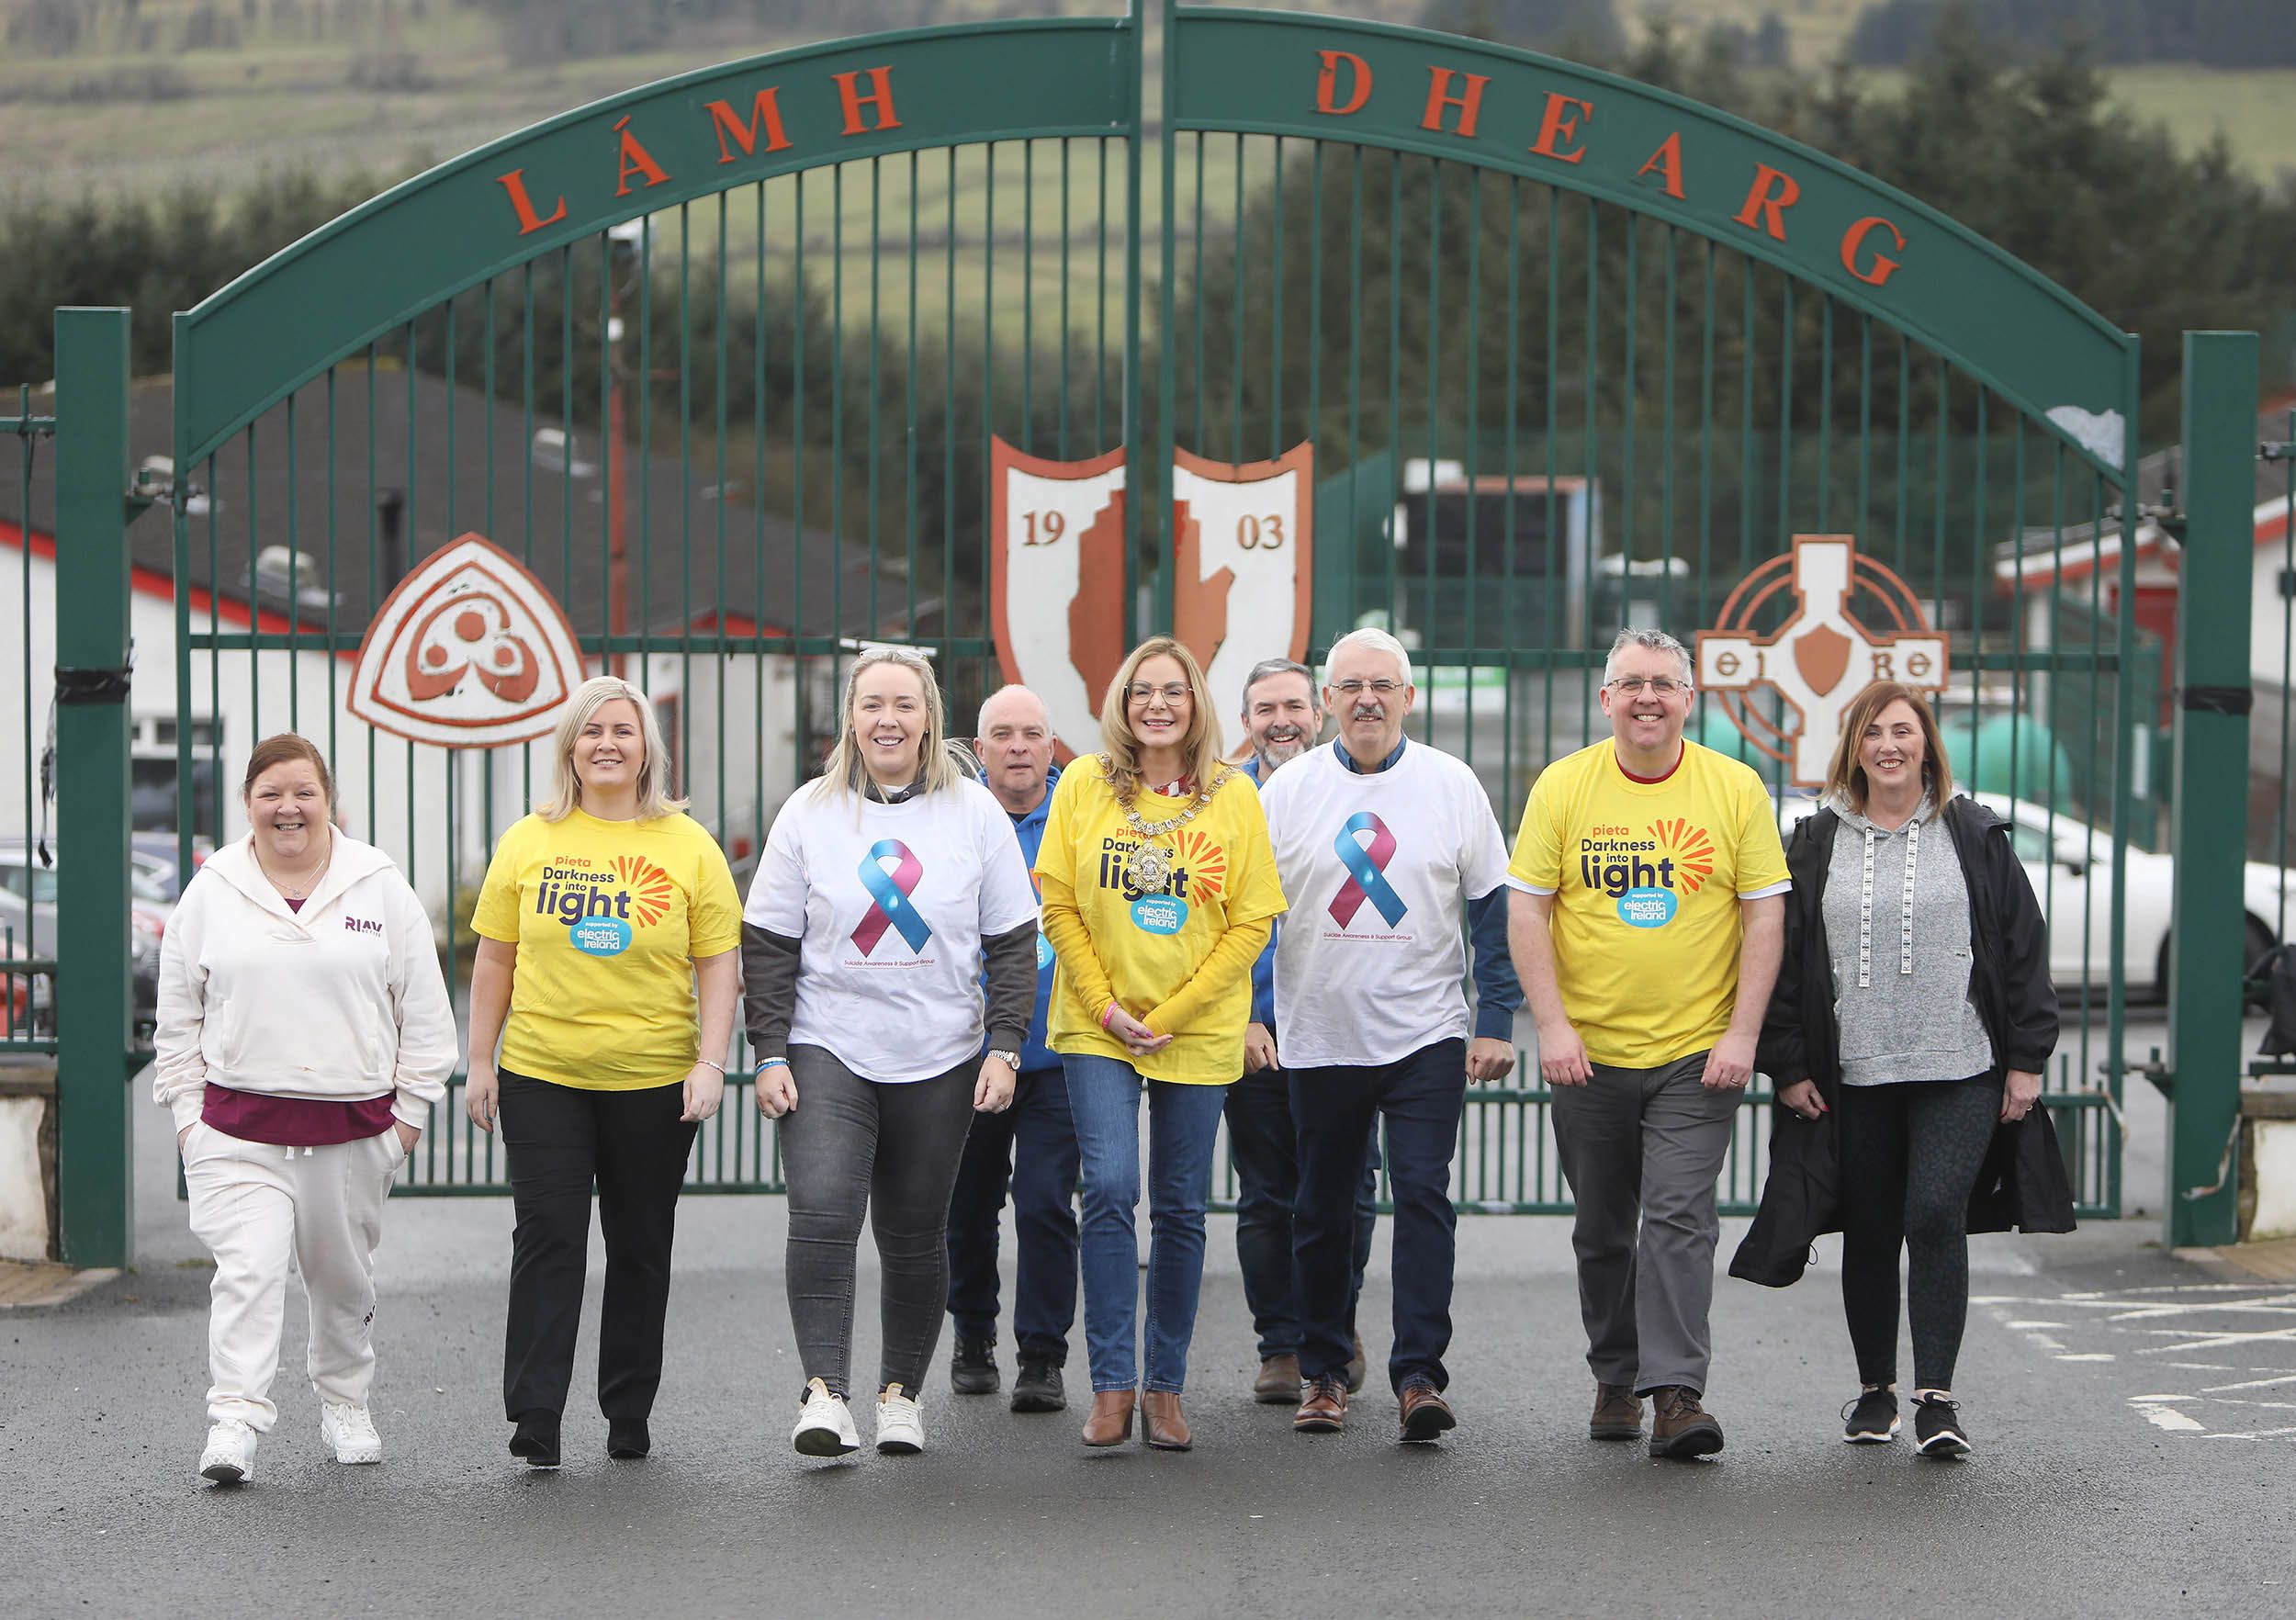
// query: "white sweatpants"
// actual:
[[261, 1209]]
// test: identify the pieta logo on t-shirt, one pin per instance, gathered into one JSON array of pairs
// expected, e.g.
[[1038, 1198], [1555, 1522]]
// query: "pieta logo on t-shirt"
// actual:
[[603, 904], [1648, 873]]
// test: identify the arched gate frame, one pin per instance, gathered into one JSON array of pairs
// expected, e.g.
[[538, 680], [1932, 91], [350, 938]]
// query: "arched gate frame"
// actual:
[[720, 359]]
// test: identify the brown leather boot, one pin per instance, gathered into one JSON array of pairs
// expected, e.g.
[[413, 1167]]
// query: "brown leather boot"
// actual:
[[1278, 1383], [1679, 1427], [1111, 1419], [1617, 1413], [1167, 1430]]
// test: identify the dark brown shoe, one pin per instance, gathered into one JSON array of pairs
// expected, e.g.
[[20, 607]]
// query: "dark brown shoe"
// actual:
[[1617, 1413], [1356, 1366], [1167, 1430], [1324, 1408], [1679, 1427], [1112, 1419], [1278, 1383], [1424, 1414]]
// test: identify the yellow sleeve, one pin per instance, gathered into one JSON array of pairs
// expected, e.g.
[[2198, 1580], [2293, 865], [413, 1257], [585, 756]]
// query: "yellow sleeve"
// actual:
[[496, 917], [1063, 920], [1537, 863], [1228, 962], [1760, 853], [1072, 942], [713, 906]]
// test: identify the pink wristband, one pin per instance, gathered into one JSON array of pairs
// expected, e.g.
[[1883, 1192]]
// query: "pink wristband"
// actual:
[[1108, 1013]]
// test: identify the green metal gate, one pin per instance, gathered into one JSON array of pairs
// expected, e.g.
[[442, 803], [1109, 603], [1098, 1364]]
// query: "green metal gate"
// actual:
[[720, 360]]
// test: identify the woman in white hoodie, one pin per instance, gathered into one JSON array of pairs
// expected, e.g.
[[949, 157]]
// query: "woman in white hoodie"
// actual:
[[304, 1034]]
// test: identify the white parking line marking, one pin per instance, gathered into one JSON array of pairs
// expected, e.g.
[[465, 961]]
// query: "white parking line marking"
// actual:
[[2162, 1417]]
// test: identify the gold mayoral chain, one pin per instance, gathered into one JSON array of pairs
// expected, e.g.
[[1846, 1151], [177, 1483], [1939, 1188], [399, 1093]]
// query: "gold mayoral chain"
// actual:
[[1149, 867]]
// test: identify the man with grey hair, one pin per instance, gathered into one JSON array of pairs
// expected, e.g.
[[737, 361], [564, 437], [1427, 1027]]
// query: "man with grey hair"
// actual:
[[1390, 855], [1282, 719], [1031, 1146], [1649, 920]]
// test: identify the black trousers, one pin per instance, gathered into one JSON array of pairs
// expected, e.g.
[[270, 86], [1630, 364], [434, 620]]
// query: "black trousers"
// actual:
[[558, 1141]]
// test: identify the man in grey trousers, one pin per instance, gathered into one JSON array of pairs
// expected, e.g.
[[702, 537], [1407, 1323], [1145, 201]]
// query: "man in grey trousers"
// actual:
[[1647, 934]]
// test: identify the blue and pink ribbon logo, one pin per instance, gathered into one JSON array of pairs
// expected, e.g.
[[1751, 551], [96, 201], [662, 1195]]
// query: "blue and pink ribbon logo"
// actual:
[[1366, 867], [891, 893]]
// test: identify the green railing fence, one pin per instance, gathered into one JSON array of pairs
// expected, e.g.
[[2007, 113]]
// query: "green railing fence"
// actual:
[[721, 359]]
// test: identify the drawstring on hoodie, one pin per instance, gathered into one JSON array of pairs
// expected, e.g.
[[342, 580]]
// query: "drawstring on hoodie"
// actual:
[[1905, 906]]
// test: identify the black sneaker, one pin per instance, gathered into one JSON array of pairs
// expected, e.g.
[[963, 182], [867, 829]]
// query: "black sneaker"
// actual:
[[1937, 1430], [972, 1367], [1037, 1386], [1871, 1419]]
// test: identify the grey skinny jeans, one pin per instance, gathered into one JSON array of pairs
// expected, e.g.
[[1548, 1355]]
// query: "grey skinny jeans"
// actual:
[[852, 1145]]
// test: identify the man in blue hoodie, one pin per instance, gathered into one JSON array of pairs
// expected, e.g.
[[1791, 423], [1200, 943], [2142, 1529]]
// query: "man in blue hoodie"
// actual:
[[1031, 1146]]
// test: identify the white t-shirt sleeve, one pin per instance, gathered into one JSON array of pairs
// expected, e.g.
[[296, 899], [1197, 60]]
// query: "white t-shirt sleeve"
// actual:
[[1482, 847], [777, 890], [1007, 893]]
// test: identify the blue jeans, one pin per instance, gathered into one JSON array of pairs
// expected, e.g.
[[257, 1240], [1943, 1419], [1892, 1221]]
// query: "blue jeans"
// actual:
[[1183, 1123], [1421, 1095], [1030, 1146], [1262, 1144]]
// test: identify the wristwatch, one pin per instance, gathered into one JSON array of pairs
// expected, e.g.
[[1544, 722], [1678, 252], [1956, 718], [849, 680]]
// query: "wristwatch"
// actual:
[[1012, 1059]]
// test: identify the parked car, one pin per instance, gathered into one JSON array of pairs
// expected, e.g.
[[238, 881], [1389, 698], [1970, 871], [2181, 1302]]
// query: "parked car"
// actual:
[[27, 928], [152, 870], [2069, 864]]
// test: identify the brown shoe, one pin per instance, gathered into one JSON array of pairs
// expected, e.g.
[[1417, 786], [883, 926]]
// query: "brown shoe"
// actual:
[[1112, 1419], [1278, 1383], [1324, 1408], [1424, 1414], [1167, 1430], [1617, 1413], [1679, 1427], [1356, 1366]]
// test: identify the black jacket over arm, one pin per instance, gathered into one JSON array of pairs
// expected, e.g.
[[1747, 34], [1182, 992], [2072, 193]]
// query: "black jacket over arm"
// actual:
[[2023, 1183]]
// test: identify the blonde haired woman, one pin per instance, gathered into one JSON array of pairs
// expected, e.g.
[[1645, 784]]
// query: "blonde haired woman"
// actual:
[[600, 913], [1160, 890], [882, 888]]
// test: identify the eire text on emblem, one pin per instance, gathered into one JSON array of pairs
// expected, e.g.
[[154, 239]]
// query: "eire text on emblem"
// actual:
[[1822, 655]]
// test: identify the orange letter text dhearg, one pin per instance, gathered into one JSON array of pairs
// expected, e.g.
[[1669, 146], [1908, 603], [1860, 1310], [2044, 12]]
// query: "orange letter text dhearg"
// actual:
[[1876, 268], [1327, 84], [1767, 200], [636, 160], [1558, 126], [1469, 101]]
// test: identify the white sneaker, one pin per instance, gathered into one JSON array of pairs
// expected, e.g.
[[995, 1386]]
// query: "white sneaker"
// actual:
[[825, 1425], [900, 1426], [229, 1459], [350, 1431]]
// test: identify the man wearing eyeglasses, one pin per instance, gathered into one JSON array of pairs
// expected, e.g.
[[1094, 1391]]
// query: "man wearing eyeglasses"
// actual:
[[1283, 718], [1382, 844], [1646, 926]]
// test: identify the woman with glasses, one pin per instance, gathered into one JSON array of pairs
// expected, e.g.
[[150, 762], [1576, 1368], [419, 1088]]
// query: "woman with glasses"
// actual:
[[1160, 890]]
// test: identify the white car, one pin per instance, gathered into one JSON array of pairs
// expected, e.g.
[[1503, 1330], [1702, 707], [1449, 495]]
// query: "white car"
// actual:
[[2069, 864]]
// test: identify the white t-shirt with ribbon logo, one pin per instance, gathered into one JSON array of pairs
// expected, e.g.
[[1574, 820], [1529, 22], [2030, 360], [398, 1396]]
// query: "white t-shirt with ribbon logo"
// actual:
[[1371, 963], [890, 904]]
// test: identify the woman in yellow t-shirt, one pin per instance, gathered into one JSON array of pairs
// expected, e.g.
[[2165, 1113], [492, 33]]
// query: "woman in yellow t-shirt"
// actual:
[[1160, 890], [600, 915]]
